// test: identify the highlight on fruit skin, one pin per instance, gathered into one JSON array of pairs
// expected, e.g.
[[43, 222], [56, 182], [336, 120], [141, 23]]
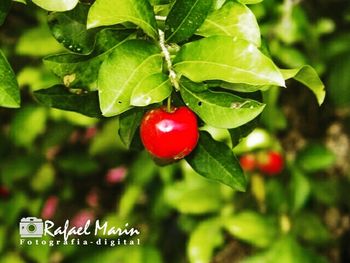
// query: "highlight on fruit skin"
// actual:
[[169, 135]]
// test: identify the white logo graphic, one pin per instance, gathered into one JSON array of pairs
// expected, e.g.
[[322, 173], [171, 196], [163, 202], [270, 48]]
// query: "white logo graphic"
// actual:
[[31, 227]]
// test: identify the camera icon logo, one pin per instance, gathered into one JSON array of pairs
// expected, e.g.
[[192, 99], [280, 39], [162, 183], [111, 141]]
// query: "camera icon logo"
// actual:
[[31, 227]]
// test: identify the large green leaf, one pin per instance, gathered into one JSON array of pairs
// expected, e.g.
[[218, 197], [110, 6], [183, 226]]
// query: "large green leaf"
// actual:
[[9, 90], [309, 77], [61, 98], [111, 12], [203, 240], [233, 19], [56, 5], [230, 59], [220, 109], [252, 227], [5, 6], [69, 28], [82, 71], [184, 19], [122, 71], [155, 88], [128, 124], [215, 160]]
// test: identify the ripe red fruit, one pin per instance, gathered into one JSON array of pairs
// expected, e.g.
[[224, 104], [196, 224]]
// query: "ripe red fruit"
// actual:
[[169, 135], [270, 163], [248, 162]]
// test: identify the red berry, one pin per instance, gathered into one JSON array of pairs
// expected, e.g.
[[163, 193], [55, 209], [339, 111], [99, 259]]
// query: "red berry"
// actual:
[[270, 163], [248, 162], [169, 135], [4, 192]]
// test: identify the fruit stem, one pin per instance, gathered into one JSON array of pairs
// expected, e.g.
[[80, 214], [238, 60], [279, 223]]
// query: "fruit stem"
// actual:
[[169, 104], [166, 53]]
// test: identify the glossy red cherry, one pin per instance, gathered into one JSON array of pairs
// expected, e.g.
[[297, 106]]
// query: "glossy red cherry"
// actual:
[[169, 135], [271, 163], [248, 162]]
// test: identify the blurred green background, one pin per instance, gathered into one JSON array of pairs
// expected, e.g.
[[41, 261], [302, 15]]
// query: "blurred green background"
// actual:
[[61, 165]]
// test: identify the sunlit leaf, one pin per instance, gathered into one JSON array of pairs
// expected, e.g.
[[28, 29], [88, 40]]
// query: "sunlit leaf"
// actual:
[[111, 12], [229, 59], [209, 105], [122, 71], [56, 5], [309, 77], [155, 88], [9, 90], [252, 227], [233, 19], [203, 240]]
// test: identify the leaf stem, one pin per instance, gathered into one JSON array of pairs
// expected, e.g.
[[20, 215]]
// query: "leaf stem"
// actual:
[[166, 53]]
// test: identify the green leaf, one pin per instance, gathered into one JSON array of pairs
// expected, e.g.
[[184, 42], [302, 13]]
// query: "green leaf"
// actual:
[[56, 5], [233, 110], [128, 124], [315, 157], [9, 90], [5, 6], [68, 164], [203, 241], [233, 19], [154, 88], [240, 87], [215, 160], [237, 134], [83, 70], [310, 228], [121, 72], [273, 117], [248, 2], [229, 59], [339, 80], [69, 28], [309, 77], [300, 189], [285, 250], [111, 12], [23, 132], [37, 42], [185, 17], [60, 97], [252, 227], [193, 198]]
